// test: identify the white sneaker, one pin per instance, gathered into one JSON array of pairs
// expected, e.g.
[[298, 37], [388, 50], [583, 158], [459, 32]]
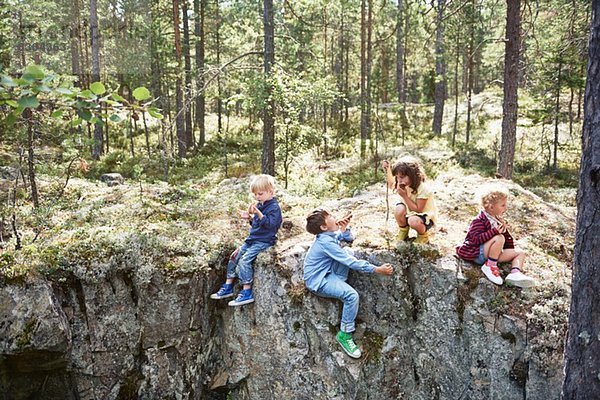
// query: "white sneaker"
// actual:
[[519, 279], [492, 273]]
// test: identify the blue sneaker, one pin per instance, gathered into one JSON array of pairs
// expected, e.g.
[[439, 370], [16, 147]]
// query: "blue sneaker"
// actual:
[[223, 293], [244, 297]]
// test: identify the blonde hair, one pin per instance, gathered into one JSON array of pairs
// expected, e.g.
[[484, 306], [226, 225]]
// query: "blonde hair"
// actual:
[[262, 183], [490, 195]]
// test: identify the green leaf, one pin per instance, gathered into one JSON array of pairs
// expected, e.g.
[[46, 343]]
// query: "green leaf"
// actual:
[[12, 103], [11, 118], [29, 102], [118, 97], [76, 122], [33, 72], [97, 88], [85, 114], [153, 111], [115, 118], [57, 114], [141, 93], [87, 94], [64, 91], [6, 80], [42, 88], [97, 121]]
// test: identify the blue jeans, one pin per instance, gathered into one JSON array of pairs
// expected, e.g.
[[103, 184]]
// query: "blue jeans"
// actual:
[[243, 258], [481, 259], [335, 287]]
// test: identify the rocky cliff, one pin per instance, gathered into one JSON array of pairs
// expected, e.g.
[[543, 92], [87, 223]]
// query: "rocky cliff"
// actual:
[[127, 329]]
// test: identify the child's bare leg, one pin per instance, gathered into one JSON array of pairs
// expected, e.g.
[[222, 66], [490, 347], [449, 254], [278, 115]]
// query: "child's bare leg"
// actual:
[[417, 224], [516, 257], [400, 215], [492, 250], [516, 276], [493, 247]]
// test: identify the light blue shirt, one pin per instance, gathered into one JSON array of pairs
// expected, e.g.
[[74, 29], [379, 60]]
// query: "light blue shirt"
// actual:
[[325, 253]]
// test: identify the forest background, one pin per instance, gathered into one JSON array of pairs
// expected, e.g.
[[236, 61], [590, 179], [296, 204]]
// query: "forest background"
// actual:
[[193, 92]]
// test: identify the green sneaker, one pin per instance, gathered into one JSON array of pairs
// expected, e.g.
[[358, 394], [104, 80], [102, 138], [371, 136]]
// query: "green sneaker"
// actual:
[[345, 340]]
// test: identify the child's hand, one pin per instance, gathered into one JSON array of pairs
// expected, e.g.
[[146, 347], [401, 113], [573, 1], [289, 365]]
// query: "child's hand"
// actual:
[[244, 214], [501, 228], [343, 223], [401, 190], [385, 269], [385, 164], [252, 209]]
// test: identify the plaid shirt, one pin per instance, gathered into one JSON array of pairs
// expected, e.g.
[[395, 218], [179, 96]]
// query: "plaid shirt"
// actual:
[[480, 231]]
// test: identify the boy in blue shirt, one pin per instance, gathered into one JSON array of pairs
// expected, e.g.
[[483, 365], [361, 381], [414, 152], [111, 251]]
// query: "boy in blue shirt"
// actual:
[[326, 269], [265, 219]]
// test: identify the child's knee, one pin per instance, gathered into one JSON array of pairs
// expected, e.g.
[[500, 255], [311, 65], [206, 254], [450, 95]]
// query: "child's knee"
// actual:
[[414, 222], [400, 210], [351, 297], [499, 238]]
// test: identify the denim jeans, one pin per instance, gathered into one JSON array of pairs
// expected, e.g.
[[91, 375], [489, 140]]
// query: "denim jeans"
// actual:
[[335, 286], [481, 258], [243, 258]]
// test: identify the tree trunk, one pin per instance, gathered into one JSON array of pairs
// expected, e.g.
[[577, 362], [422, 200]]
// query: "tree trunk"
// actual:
[[218, 51], [199, 7], [268, 142], [369, 68], [364, 114], [556, 118], [400, 52], [582, 364], [510, 104], [97, 148], [347, 82], [571, 98], [74, 42], [28, 115], [440, 70], [155, 62], [454, 130], [179, 118], [189, 133], [471, 51]]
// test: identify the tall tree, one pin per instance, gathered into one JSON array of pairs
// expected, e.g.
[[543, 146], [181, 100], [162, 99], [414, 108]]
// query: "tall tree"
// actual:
[[268, 142], [365, 69], [400, 88], [187, 72], [97, 148], [74, 41], [440, 70], [470, 65], [179, 117], [582, 364], [199, 8], [510, 103]]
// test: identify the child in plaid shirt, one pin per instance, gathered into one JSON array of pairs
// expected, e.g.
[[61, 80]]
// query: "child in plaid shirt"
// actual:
[[489, 241]]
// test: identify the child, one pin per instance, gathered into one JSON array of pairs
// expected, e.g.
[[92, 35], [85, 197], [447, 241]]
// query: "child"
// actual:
[[488, 241], [326, 269], [416, 208], [265, 219]]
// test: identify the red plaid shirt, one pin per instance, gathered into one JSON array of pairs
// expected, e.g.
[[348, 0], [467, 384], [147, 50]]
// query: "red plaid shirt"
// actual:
[[480, 231]]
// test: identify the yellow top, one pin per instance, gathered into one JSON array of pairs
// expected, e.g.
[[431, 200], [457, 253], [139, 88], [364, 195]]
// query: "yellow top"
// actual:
[[424, 192]]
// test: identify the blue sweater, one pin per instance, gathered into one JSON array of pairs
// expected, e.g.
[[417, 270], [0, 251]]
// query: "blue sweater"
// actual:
[[265, 230], [326, 252]]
